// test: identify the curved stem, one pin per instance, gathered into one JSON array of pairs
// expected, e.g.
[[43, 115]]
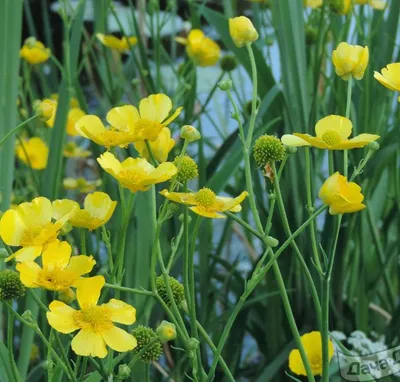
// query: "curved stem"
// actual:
[[15, 129]]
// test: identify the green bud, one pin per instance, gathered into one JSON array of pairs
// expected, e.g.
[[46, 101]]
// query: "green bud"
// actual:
[[225, 85], [11, 286], [166, 331], [124, 372], [48, 365], [187, 168], [271, 241], [144, 336], [28, 316], [373, 146], [181, 217], [178, 291], [311, 35], [268, 149], [30, 42], [193, 344], [190, 133], [291, 149], [228, 63]]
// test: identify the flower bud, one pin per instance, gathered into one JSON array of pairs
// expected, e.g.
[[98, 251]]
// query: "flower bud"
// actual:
[[144, 336], [178, 291], [45, 109], [28, 316], [11, 286], [228, 63], [124, 372], [291, 149], [225, 85], [67, 296], [187, 168], [341, 7], [30, 42], [242, 31], [350, 61], [271, 241], [268, 149], [190, 133], [373, 146], [166, 331], [193, 344]]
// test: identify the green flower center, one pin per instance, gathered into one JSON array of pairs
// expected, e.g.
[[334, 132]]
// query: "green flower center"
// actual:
[[96, 318], [206, 197], [331, 137]]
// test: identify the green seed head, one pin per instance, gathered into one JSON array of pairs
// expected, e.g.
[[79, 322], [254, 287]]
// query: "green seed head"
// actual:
[[178, 292], [187, 168], [268, 149], [228, 63], [11, 286], [144, 336], [166, 331]]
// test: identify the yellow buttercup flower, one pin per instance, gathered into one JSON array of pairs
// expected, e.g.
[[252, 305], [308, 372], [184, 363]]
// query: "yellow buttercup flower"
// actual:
[[33, 152], [34, 52], [122, 45], [59, 271], [45, 109], [242, 31], [376, 4], [390, 77], [313, 3], [206, 203], [312, 344], [342, 196], [136, 174], [94, 322], [30, 226], [72, 150], [160, 147], [332, 134], [81, 184], [350, 61], [74, 115], [341, 7], [97, 211], [201, 49]]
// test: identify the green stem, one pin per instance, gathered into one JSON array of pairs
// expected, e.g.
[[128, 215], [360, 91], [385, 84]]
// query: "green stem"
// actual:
[[10, 344], [254, 110], [83, 241], [153, 160], [129, 290], [15, 129], [348, 107]]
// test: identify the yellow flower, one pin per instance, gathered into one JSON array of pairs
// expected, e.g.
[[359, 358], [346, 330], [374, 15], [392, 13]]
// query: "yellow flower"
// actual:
[[242, 31], [206, 203], [350, 60], [73, 116], [136, 174], [81, 184], [160, 147], [122, 45], [203, 50], [34, 52], [97, 211], [376, 4], [342, 196], [312, 344], [72, 150], [59, 271], [94, 322], [341, 7], [30, 226], [313, 3], [332, 134], [46, 109], [33, 152], [390, 77]]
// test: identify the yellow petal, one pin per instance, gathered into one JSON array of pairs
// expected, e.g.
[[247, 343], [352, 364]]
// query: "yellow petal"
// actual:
[[163, 172], [173, 116], [181, 40], [109, 40], [296, 365], [155, 107], [90, 126], [331, 188], [110, 164], [56, 255], [80, 265], [341, 125], [12, 228], [73, 116], [121, 312], [348, 208], [36, 213], [313, 141], [29, 272], [356, 142], [26, 254], [229, 204], [207, 214], [62, 207], [385, 82], [89, 343], [61, 317], [123, 117], [100, 206], [292, 140], [88, 290], [119, 340], [180, 197]]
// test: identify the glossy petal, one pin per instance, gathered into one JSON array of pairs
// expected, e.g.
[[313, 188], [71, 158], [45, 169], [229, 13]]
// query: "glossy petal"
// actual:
[[89, 343], [91, 127], [173, 116], [162, 173], [12, 228], [180, 197], [121, 312], [61, 317], [119, 340], [29, 272], [296, 364], [62, 207], [155, 107], [81, 265], [100, 206], [356, 142], [123, 117], [36, 213], [56, 255], [313, 141], [109, 163], [26, 254], [88, 290], [337, 123], [206, 213], [228, 204], [292, 140]]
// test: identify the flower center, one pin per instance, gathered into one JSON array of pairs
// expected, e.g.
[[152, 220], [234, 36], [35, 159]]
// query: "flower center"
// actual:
[[331, 137], [147, 129], [30, 235], [205, 197], [56, 279], [96, 318]]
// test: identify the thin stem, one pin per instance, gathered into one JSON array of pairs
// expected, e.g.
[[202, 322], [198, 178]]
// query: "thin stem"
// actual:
[[83, 241], [10, 344], [15, 129], [154, 161], [129, 290], [348, 107], [254, 110]]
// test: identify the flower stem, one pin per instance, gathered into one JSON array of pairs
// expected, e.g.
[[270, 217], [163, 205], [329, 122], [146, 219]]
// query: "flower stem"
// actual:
[[15, 129], [10, 344], [129, 290], [348, 107], [83, 241]]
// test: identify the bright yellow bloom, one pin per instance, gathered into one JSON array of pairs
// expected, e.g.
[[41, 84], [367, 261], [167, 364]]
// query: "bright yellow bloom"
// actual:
[[242, 31], [97, 211], [94, 322], [34, 52], [313, 3], [33, 152], [160, 147], [206, 203], [30, 226], [122, 45], [136, 174], [390, 77], [342, 196], [72, 150], [312, 344], [46, 109], [203, 50], [332, 134], [81, 184], [74, 115], [341, 7], [350, 60], [376, 4], [59, 272]]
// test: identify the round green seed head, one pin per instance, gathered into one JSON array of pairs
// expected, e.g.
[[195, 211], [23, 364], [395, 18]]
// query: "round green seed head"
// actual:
[[178, 291], [144, 336], [11, 286], [187, 168], [268, 149], [228, 63]]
